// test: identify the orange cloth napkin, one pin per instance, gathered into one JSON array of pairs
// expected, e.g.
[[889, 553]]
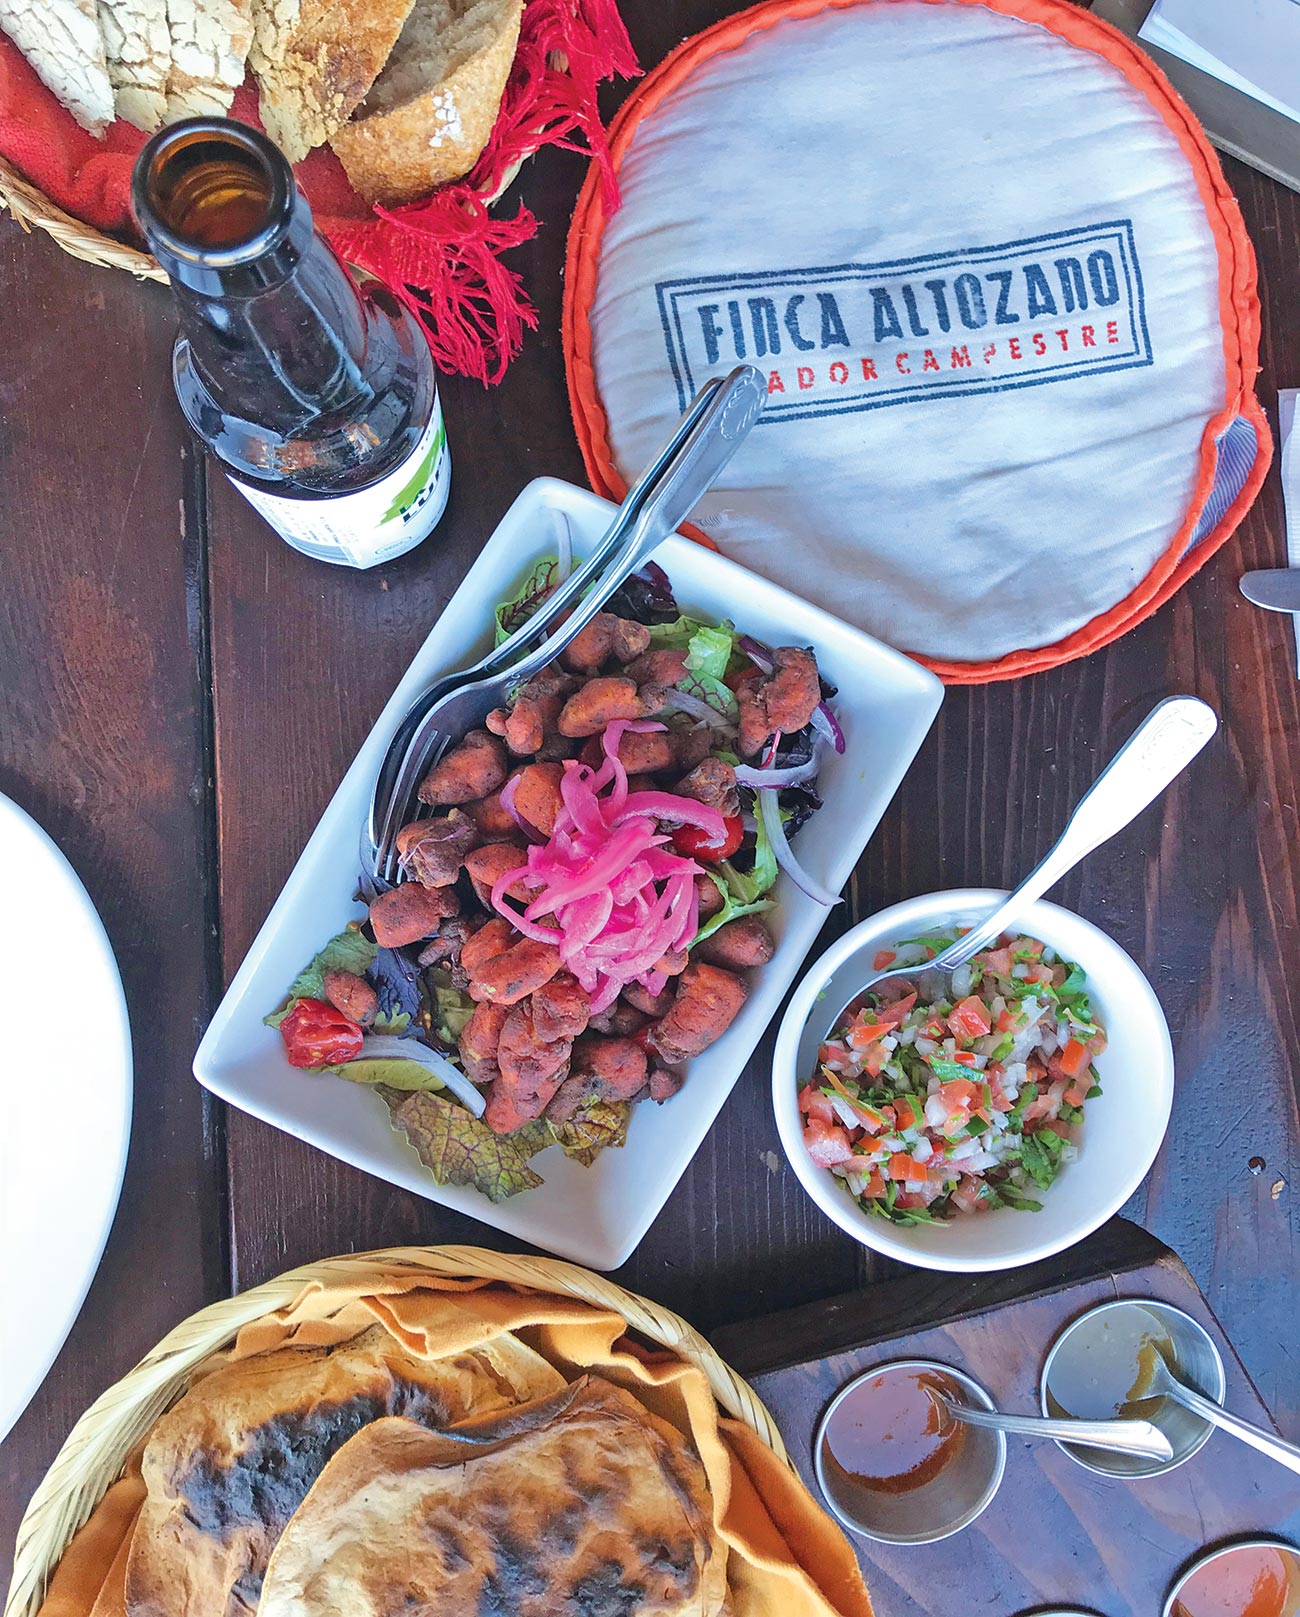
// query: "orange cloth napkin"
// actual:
[[787, 1558]]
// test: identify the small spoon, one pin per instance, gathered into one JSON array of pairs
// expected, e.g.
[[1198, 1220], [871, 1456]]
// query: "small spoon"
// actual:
[[1165, 1384], [1159, 749], [1138, 1437]]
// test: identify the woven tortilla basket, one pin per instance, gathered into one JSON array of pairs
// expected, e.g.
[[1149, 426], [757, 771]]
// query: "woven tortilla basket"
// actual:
[[96, 1449]]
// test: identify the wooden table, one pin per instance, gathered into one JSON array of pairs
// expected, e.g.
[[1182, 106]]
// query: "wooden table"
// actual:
[[180, 693]]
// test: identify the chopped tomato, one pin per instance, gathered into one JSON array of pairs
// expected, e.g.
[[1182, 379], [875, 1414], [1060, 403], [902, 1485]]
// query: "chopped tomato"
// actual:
[[1027, 949], [908, 1199], [996, 961], [315, 1034], [966, 1195], [906, 1113], [960, 1096], [964, 1058], [834, 1056], [903, 1167], [693, 843], [875, 1059], [895, 1013], [993, 1076], [1057, 1127], [1077, 1093], [1008, 1021], [1038, 974], [812, 1103], [883, 959], [1074, 1058], [936, 1028], [861, 1034], [970, 1018], [875, 1185], [827, 1143]]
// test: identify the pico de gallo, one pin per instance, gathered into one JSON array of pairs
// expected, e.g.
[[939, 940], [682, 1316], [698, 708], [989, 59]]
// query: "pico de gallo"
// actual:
[[940, 1095]]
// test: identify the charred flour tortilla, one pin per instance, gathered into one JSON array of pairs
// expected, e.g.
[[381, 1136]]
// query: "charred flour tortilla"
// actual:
[[582, 1503], [226, 1468]]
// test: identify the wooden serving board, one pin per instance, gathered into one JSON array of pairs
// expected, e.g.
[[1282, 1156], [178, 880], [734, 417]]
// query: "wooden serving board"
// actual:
[[1055, 1534]]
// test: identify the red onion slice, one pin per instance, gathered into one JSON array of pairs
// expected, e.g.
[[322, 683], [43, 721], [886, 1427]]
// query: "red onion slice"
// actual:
[[827, 725]]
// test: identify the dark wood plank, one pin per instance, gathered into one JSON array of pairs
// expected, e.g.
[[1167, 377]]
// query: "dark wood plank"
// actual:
[[102, 670], [914, 1300], [1094, 1541]]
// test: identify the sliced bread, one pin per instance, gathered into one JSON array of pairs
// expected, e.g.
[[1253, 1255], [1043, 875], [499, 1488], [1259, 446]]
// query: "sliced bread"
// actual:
[[432, 108], [62, 41], [315, 60], [210, 40], [137, 43]]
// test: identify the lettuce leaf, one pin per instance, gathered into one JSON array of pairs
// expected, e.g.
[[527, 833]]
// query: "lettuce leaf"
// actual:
[[452, 1010], [511, 614], [349, 951], [460, 1149], [708, 646], [747, 887], [709, 650], [595, 1125], [388, 1070]]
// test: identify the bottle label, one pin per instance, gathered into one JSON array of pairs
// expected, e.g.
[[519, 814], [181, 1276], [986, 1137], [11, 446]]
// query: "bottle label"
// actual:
[[374, 524]]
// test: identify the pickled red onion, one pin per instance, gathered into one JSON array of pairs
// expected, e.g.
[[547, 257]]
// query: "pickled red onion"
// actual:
[[620, 899]]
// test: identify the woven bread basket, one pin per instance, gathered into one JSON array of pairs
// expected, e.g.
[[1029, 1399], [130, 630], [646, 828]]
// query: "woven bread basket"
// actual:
[[31, 207], [96, 1449]]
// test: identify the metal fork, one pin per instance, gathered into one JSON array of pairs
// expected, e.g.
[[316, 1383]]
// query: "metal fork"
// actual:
[[532, 631], [655, 507]]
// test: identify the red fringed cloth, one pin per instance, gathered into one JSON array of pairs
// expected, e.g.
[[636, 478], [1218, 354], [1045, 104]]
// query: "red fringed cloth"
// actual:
[[443, 253]]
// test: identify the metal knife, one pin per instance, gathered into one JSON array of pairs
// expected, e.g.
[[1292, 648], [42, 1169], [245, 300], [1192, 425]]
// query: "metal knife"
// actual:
[[1277, 588]]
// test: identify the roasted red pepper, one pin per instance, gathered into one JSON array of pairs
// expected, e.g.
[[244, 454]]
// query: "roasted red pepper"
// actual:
[[692, 843], [317, 1035]]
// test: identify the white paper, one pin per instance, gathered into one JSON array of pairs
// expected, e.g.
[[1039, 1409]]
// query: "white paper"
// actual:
[[1253, 45], [1290, 458]]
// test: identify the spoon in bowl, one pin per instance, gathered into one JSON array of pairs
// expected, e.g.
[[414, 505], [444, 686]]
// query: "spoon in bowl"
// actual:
[[1164, 1383], [1159, 749], [1138, 1437]]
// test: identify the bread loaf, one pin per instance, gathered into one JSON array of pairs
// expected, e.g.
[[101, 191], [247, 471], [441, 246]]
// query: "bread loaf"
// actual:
[[315, 60], [431, 110], [137, 45], [62, 41], [210, 40]]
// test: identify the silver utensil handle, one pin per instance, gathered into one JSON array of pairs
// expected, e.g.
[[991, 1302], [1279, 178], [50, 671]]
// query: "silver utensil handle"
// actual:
[[1138, 1437], [1158, 750], [1277, 1448], [533, 629], [691, 472], [628, 514]]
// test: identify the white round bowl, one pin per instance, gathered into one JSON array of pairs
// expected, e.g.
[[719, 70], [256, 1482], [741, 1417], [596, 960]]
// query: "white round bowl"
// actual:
[[1122, 1129]]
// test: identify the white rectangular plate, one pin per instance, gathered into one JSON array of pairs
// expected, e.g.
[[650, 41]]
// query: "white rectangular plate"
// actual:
[[597, 1215]]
